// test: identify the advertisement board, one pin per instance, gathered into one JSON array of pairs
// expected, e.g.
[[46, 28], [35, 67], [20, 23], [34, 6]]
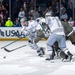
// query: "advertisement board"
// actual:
[[9, 32]]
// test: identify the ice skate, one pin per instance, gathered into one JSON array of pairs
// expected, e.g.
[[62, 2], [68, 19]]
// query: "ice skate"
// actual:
[[65, 59], [41, 55], [42, 49], [63, 56], [69, 56], [51, 58], [40, 52]]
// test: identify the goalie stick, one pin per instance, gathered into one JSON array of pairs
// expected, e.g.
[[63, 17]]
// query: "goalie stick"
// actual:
[[14, 48]]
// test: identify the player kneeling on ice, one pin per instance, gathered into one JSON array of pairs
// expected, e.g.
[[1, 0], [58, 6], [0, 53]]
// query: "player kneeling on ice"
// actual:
[[57, 35], [29, 29]]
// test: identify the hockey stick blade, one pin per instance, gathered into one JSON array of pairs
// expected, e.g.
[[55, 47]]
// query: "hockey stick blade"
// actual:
[[7, 50], [14, 48], [11, 43]]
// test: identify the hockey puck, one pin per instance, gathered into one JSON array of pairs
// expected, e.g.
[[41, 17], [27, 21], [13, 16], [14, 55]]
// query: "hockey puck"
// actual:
[[4, 57]]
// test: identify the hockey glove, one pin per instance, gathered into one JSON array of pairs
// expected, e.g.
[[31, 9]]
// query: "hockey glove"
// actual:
[[47, 33]]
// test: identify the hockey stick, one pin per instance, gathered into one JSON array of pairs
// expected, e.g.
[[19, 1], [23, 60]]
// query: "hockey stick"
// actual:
[[14, 48], [42, 27], [11, 43], [37, 20]]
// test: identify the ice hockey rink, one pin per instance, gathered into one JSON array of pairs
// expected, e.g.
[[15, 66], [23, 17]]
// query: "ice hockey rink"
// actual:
[[24, 61]]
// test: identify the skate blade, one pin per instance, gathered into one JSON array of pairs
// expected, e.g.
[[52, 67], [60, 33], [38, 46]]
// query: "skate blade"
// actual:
[[51, 61], [67, 60]]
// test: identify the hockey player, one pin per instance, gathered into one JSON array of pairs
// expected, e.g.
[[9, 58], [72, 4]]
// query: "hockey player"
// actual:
[[46, 32], [57, 35], [69, 32], [29, 29]]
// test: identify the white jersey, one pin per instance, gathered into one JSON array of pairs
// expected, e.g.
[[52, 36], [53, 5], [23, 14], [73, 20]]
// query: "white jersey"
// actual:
[[30, 30], [55, 25], [32, 22], [38, 27]]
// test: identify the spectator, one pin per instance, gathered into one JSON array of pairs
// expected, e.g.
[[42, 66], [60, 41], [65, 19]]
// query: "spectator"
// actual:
[[2, 8], [64, 3], [53, 6], [9, 23], [16, 7], [71, 21], [57, 9], [31, 10], [40, 11], [2, 23], [32, 3], [68, 3], [62, 9], [57, 12], [70, 10], [65, 20], [28, 16], [21, 13], [17, 23], [74, 23], [46, 10], [2, 15], [35, 14], [64, 16], [6, 14], [31, 19], [28, 6], [0, 20], [6, 6], [25, 5]]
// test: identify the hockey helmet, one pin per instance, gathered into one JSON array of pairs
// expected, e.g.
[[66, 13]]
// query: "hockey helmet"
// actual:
[[24, 19], [48, 14]]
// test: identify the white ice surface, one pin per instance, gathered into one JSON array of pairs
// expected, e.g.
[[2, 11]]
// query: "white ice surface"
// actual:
[[25, 61]]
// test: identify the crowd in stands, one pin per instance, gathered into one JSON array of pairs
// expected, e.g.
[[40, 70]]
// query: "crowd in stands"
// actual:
[[25, 8]]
